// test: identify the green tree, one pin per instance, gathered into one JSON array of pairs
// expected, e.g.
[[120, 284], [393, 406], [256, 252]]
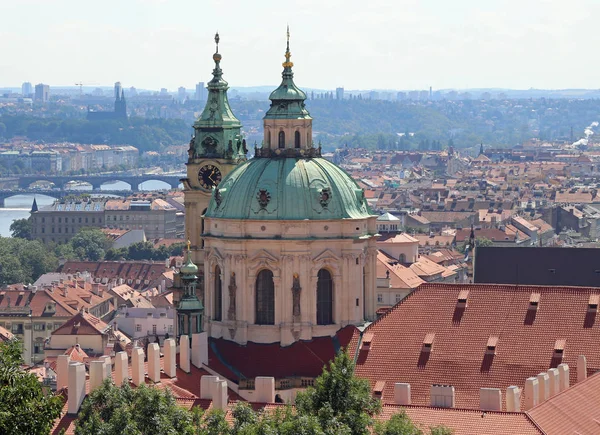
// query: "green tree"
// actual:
[[25, 406], [111, 410], [23, 261], [339, 398], [21, 228], [90, 244]]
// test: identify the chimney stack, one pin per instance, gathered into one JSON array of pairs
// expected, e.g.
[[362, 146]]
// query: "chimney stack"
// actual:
[[184, 353], [62, 371], [169, 350], [76, 387], [513, 399], [137, 366], [264, 387], [442, 396], [554, 382], [563, 376], [402, 395], [121, 369], [531, 393], [581, 368], [206, 382], [490, 399], [97, 374], [219, 393], [199, 349], [544, 386], [154, 362]]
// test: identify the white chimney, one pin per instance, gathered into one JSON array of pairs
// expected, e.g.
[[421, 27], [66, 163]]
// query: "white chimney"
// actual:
[[107, 366], [199, 349], [554, 382], [442, 396], [97, 374], [402, 394], [184, 353], [264, 387], [513, 399], [581, 368], [563, 376], [154, 362], [490, 399], [121, 369], [206, 382], [219, 393], [62, 371], [169, 349], [137, 366], [531, 393], [76, 386], [544, 386]]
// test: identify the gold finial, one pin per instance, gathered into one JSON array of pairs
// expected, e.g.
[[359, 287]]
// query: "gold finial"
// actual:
[[217, 39], [189, 245], [287, 63]]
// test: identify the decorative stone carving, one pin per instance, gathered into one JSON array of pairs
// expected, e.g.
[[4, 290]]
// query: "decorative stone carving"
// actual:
[[210, 145], [232, 293], [296, 291], [264, 197], [325, 197], [218, 197]]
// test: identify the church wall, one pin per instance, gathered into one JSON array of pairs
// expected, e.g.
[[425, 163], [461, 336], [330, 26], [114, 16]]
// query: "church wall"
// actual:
[[289, 127], [344, 258]]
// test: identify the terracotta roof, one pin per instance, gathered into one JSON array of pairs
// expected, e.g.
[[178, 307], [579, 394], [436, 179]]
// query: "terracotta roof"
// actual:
[[397, 238], [303, 358], [573, 411], [5, 334], [526, 338], [82, 324], [400, 276], [465, 421]]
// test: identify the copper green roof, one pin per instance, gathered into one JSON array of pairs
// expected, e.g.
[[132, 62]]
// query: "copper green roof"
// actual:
[[287, 101], [189, 268], [288, 189]]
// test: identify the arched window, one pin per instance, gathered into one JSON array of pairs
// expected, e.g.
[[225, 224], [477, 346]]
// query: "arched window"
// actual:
[[297, 139], [218, 299], [269, 139], [308, 141], [281, 139], [201, 227], [402, 258], [324, 298], [265, 298]]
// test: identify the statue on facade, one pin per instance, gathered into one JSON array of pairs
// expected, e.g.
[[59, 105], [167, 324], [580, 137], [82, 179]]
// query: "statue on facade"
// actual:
[[232, 291], [296, 290]]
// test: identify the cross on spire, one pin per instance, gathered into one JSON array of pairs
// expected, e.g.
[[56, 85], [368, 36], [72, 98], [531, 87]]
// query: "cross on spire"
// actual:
[[287, 63], [217, 39]]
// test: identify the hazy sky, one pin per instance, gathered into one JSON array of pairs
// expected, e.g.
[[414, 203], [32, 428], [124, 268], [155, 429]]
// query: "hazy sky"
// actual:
[[358, 44]]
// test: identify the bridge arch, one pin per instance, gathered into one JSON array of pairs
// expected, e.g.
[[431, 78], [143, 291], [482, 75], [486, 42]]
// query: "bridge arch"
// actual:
[[154, 184], [116, 184]]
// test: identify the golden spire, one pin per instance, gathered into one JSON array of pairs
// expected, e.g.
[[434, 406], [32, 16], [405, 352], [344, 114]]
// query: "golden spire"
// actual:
[[189, 245], [287, 63]]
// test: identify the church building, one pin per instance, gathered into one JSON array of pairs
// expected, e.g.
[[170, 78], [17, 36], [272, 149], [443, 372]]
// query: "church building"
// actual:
[[286, 240]]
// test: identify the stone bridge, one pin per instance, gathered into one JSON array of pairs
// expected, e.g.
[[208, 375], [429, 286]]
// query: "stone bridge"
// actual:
[[24, 181], [7, 193]]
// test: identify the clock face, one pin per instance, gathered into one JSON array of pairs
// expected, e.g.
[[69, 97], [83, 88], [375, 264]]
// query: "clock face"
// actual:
[[209, 176]]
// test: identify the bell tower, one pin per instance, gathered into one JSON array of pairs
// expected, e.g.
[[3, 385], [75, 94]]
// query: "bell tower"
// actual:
[[216, 148]]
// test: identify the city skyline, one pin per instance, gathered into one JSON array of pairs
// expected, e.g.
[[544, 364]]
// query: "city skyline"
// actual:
[[402, 45]]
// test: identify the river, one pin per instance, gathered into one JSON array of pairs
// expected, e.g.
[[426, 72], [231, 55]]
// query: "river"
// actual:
[[18, 206]]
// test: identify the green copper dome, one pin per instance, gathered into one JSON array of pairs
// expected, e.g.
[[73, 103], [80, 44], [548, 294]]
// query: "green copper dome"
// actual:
[[189, 268], [288, 189]]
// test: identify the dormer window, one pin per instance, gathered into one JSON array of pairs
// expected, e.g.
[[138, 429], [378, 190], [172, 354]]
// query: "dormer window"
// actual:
[[593, 303], [428, 342], [378, 389], [559, 348], [491, 346], [461, 301], [367, 340], [534, 301]]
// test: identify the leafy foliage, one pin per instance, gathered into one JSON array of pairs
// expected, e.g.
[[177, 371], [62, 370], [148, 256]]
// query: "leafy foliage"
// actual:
[[90, 244], [23, 261], [144, 251], [21, 228], [25, 406]]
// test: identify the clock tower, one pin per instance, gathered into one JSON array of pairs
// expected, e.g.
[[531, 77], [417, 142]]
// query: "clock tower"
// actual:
[[216, 148]]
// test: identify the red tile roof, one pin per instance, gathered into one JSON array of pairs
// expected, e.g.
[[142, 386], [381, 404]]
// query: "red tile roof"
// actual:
[[303, 358], [525, 347], [82, 324], [574, 411]]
